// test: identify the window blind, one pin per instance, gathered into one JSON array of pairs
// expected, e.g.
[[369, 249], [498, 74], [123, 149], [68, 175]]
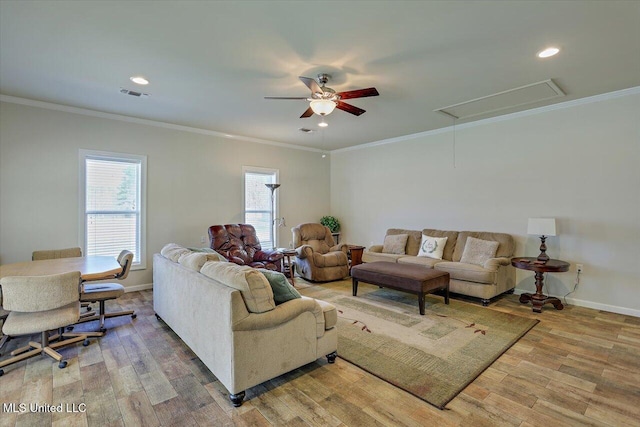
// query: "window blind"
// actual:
[[257, 200], [112, 206]]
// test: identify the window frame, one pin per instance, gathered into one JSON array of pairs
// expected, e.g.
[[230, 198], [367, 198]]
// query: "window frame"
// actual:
[[142, 228], [266, 171]]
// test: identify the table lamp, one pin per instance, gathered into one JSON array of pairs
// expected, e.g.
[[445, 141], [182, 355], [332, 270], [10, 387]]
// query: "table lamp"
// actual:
[[542, 227]]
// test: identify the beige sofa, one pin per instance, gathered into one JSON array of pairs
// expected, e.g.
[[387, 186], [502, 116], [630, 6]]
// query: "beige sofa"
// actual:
[[486, 281], [226, 314]]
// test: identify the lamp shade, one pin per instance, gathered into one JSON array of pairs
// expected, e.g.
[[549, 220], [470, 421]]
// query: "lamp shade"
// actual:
[[322, 107], [542, 226]]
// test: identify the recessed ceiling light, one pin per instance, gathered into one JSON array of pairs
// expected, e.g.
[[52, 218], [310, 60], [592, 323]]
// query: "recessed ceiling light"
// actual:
[[323, 124], [550, 51], [139, 80]]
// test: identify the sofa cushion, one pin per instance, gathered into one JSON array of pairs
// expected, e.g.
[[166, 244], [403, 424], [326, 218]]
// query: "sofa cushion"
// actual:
[[253, 285], [478, 251], [413, 241], [505, 250], [195, 260], [395, 244], [173, 251], [432, 247], [467, 272], [419, 260], [368, 256], [452, 237], [282, 289], [331, 259]]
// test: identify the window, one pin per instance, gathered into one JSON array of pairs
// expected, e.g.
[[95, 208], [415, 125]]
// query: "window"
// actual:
[[113, 204], [257, 203]]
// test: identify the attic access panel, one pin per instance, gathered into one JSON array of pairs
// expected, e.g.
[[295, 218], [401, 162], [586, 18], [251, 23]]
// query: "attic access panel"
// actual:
[[519, 96]]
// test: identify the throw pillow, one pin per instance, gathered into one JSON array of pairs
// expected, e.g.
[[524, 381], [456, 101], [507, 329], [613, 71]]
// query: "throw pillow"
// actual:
[[478, 251], [173, 251], [195, 260], [432, 247], [395, 244], [282, 289], [211, 252]]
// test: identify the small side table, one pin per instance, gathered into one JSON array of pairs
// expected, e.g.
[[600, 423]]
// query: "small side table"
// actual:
[[289, 267], [355, 251], [552, 266]]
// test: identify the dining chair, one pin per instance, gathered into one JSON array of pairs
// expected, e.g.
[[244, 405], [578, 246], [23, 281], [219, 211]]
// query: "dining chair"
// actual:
[[56, 253], [102, 292], [38, 304]]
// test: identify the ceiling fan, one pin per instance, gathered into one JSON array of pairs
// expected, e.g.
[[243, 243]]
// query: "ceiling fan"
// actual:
[[324, 100]]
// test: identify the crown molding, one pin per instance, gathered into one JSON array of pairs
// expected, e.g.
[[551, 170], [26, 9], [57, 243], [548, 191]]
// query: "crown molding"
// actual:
[[147, 122], [534, 111]]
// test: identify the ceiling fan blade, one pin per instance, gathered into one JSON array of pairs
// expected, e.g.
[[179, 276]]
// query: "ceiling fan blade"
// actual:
[[307, 113], [311, 84], [349, 108], [359, 93], [284, 97]]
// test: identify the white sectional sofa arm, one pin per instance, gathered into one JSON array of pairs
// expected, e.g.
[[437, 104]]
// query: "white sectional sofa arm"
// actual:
[[375, 248], [495, 263], [283, 313]]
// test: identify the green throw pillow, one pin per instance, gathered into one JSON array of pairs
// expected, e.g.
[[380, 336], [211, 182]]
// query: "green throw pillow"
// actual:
[[282, 289]]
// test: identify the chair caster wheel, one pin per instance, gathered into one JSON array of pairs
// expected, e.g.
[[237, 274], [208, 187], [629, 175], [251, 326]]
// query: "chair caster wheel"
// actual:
[[133, 316], [1, 372], [85, 342], [89, 308], [103, 330], [62, 364], [69, 328]]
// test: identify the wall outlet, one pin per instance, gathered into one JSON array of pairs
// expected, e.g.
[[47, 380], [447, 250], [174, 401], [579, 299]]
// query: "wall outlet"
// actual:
[[203, 239], [579, 268]]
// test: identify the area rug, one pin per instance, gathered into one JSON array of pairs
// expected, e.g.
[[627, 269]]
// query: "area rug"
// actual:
[[434, 356]]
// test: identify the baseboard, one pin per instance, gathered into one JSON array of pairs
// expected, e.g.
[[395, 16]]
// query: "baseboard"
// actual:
[[135, 288], [590, 304]]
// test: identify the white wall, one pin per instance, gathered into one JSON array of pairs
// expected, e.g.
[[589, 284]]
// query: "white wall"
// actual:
[[194, 180], [579, 163]]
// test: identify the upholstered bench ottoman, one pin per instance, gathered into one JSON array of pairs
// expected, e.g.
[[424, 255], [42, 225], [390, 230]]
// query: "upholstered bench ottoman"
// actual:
[[414, 279]]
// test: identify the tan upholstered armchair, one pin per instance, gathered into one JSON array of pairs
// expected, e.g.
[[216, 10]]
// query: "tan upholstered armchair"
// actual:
[[318, 258]]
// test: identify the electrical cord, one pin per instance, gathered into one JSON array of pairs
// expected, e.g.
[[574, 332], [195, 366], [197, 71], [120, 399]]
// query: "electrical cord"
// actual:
[[575, 285]]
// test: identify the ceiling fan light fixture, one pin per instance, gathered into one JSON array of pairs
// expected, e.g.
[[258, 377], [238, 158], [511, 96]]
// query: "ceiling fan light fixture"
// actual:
[[322, 107], [140, 80], [548, 52]]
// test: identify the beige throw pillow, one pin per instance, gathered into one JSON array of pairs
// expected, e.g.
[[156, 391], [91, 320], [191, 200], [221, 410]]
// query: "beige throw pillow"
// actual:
[[395, 244], [195, 260], [478, 251], [432, 247], [255, 288], [173, 251]]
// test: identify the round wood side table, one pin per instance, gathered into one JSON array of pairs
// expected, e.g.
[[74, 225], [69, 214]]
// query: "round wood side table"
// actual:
[[532, 264]]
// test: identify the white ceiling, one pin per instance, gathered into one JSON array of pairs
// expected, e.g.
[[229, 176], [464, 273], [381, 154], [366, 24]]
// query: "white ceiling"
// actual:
[[211, 63]]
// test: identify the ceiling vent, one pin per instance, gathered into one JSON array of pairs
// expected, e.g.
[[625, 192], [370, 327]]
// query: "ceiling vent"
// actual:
[[511, 98], [305, 130], [134, 93]]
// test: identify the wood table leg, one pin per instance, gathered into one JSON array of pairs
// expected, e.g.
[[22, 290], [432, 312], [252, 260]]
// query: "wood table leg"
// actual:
[[421, 302], [539, 299], [354, 286]]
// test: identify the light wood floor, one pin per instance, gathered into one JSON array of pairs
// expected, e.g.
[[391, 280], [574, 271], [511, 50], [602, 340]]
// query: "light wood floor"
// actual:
[[577, 367]]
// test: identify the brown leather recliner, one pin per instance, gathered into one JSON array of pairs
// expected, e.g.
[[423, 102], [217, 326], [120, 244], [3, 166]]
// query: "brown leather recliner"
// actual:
[[239, 243], [318, 258]]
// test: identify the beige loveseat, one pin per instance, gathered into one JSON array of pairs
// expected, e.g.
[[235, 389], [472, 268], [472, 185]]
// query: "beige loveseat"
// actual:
[[486, 281], [226, 314]]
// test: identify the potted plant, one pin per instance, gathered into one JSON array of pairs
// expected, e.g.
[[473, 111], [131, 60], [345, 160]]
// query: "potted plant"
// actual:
[[331, 222]]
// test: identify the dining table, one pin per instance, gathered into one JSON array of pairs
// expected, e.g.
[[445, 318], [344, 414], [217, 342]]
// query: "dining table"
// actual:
[[92, 267]]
